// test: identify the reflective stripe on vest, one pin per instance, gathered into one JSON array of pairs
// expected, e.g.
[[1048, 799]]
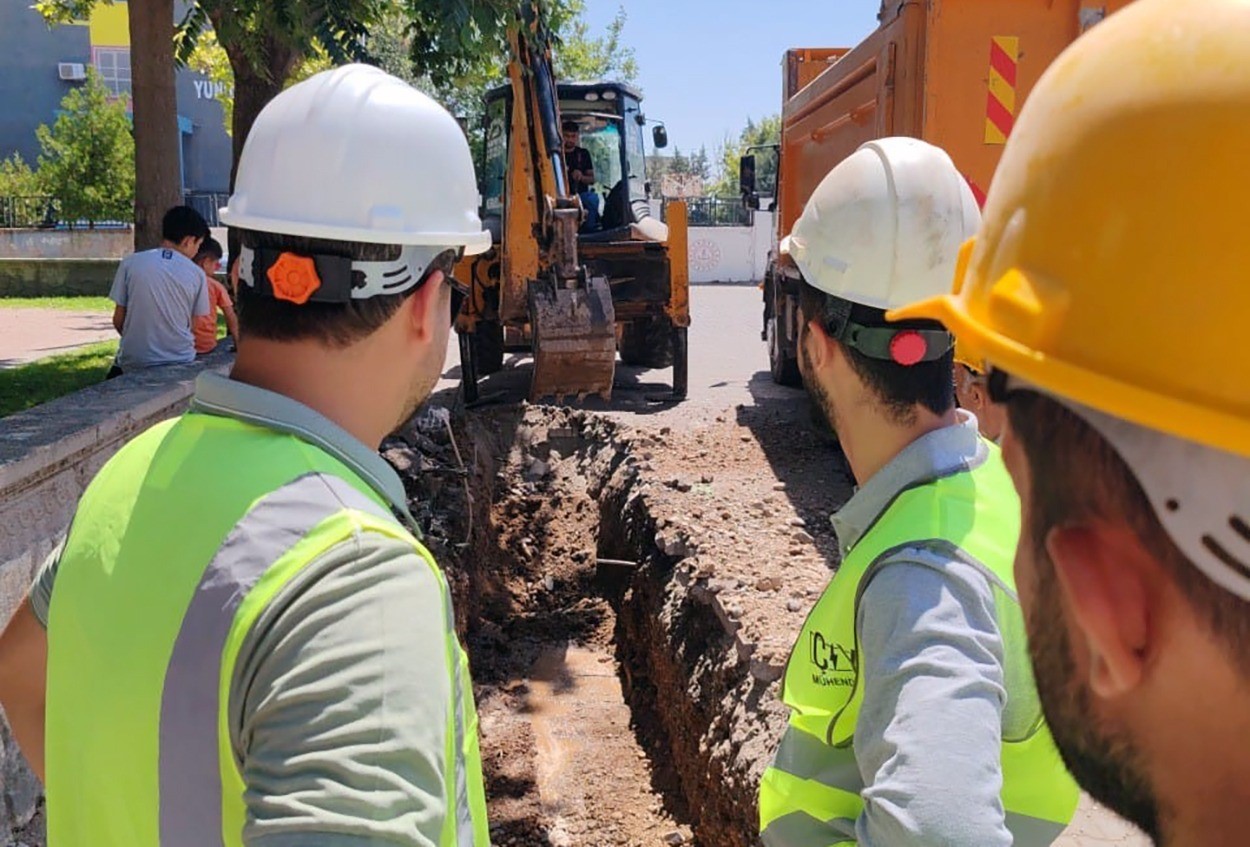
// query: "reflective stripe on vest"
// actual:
[[810, 795], [294, 503]]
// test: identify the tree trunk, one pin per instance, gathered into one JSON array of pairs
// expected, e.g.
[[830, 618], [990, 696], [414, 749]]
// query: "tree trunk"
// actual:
[[158, 175], [252, 92]]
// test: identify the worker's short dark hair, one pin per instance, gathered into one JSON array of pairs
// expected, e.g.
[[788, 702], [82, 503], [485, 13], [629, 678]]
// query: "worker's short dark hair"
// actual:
[[571, 126], [900, 388], [1076, 474], [183, 222], [210, 249], [332, 324]]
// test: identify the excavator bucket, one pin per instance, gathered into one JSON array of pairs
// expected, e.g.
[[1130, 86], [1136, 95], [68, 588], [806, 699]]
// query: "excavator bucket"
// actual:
[[574, 340]]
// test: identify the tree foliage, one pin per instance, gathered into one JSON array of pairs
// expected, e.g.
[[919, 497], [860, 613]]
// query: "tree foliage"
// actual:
[[680, 174], [18, 179], [271, 38], [701, 164], [153, 102], [395, 44], [580, 56], [209, 59], [87, 161], [67, 11], [766, 131]]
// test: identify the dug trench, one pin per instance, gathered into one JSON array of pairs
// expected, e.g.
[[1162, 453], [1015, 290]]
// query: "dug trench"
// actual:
[[626, 625]]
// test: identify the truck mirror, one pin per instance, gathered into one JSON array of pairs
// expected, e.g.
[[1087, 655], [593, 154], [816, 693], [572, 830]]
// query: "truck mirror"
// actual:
[[659, 137], [746, 182]]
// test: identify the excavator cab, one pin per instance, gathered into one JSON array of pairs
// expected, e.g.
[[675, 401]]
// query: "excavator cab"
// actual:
[[611, 128], [623, 280]]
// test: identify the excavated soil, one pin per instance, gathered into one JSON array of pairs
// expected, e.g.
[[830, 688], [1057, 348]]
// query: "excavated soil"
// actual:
[[627, 620]]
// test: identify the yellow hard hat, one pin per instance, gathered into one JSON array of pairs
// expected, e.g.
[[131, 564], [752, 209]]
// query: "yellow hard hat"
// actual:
[[1112, 267], [965, 357]]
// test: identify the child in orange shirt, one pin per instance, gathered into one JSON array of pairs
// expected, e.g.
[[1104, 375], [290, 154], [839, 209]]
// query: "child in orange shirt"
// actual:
[[205, 328]]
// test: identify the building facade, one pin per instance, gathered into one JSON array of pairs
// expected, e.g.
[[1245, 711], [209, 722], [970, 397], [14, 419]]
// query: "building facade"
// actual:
[[39, 65]]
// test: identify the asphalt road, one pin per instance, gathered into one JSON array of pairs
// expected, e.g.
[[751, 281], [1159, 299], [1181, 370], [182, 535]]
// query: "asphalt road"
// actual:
[[728, 367]]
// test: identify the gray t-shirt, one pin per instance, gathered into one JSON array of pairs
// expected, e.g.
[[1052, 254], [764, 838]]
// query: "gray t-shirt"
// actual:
[[161, 291]]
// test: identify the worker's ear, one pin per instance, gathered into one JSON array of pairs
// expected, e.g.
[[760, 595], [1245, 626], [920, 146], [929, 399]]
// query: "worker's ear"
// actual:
[[980, 397], [821, 348], [428, 307], [1106, 579]]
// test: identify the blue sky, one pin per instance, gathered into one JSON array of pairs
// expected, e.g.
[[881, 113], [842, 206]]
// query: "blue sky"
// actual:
[[705, 66]]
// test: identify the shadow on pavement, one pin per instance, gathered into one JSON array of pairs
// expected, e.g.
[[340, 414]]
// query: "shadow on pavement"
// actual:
[[639, 391], [803, 453]]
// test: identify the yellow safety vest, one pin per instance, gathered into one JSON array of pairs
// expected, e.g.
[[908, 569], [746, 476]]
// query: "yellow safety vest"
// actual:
[[178, 546], [810, 796]]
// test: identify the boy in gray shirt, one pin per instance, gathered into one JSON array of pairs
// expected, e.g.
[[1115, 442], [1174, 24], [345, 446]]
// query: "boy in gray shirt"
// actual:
[[157, 293]]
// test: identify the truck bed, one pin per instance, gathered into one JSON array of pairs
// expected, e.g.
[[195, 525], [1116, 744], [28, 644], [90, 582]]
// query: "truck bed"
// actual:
[[951, 72]]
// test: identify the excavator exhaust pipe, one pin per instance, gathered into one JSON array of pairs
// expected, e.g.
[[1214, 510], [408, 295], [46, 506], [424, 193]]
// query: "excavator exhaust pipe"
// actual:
[[574, 339]]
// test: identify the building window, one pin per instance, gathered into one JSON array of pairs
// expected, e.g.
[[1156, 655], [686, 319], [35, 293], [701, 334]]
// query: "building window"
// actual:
[[113, 64]]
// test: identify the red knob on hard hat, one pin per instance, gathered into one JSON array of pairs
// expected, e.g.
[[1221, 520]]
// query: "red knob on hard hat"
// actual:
[[908, 348]]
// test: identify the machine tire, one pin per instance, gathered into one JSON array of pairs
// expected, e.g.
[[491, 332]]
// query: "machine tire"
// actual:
[[783, 367], [647, 343], [488, 347]]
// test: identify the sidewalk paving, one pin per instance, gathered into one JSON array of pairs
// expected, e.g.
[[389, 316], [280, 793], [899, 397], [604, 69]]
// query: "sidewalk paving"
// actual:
[[30, 334]]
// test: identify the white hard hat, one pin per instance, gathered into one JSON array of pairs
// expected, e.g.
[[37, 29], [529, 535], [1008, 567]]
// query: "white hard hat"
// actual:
[[884, 228], [355, 154]]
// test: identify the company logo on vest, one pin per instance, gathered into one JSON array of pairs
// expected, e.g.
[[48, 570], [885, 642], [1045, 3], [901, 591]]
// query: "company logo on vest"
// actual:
[[835, 665]]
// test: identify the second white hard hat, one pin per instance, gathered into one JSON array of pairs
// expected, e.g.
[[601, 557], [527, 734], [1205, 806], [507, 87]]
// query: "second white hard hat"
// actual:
[[354, 154], [884, 228]]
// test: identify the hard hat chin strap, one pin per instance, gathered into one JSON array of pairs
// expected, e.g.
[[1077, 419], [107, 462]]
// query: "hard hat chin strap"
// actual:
[[333, 278], [905, 347], [333, 274], [903, 344]]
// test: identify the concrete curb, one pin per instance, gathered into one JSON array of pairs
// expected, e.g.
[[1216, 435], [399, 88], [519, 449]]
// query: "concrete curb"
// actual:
[[49, 454]]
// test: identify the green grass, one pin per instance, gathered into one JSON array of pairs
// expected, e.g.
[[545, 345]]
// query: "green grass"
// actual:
[[46, 379], [67, 304]]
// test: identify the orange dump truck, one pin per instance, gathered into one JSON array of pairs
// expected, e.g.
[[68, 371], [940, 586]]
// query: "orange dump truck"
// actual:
[[951, 72]]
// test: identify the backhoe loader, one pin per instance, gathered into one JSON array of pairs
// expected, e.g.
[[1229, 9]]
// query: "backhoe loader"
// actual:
[[570, 294]]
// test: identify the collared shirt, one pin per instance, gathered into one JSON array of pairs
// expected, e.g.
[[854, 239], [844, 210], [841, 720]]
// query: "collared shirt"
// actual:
[[937, 454], [940, 686], [345, 670], [219, 395]]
